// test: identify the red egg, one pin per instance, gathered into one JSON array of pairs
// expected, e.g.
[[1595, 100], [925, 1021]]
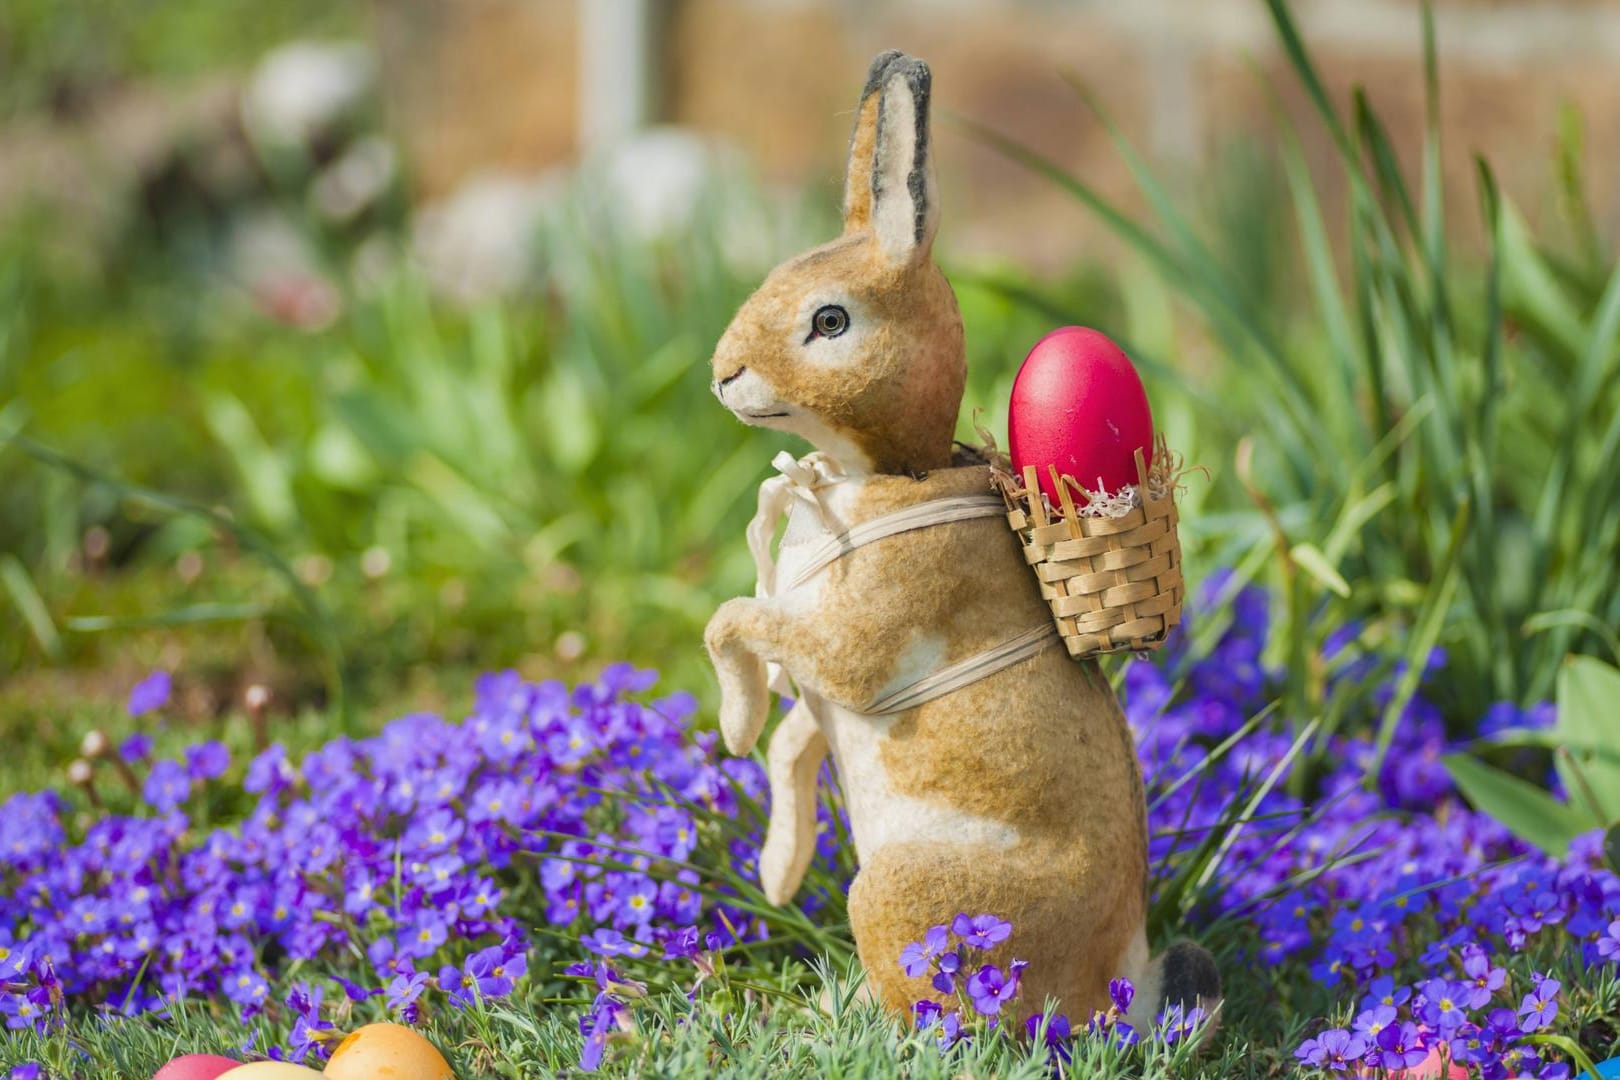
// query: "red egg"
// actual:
[[195, 1067], [1078, 403]]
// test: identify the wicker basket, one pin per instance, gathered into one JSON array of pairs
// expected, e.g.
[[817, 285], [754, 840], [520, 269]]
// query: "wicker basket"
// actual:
[[1111, 575]]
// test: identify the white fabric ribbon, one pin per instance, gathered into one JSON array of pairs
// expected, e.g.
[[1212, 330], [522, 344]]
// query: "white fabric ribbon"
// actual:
[[801, 479]]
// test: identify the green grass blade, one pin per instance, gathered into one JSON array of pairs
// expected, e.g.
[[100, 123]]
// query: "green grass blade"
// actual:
[[1425, 636], [30, 605], [186, 616], [1300, 60]]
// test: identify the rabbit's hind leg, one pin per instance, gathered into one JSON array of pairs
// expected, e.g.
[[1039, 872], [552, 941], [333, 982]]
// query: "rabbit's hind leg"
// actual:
[[794, 760], [1071, 941]]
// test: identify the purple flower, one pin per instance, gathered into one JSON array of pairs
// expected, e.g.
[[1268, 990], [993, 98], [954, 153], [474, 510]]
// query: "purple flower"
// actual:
[[1058, 1034], [1483, 980], [1176, 1023], [28, 1070], [207, 761], [167, 785], [404, 989], [1608, 946], [353, 991], [1335, 1049], [609, 942], [605, 1017], [981, 931], [915, 958], [1400, 1046], [681, 944], [1311, 1052], [150, 694], [1383, 991], [1371, 1021], [989, 989], [1121, 993], [1443, 1005], [949, 964], [27, 1010], [269, 772], [1468, 1046], [138, 747], [1540, 1006]]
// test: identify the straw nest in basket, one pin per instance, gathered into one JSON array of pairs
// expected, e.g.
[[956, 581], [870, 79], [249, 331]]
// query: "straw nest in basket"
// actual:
[[1109, 563]]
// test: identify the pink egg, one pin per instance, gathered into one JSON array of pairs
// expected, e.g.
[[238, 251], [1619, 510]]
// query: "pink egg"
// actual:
[[195, 1067], [1078, 403], [1433, 1067]]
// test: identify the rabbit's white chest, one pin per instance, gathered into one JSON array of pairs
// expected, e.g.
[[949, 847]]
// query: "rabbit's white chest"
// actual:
[[878, 815]]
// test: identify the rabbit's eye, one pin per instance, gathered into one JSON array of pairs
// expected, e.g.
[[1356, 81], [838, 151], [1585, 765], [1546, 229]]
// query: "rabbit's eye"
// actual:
[[829, 321]]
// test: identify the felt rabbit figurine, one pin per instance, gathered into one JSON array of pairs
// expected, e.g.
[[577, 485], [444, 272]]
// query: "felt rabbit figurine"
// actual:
[[1007, 785]]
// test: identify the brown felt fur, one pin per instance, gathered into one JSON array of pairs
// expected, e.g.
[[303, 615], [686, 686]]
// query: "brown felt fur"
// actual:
[[1034, 763]]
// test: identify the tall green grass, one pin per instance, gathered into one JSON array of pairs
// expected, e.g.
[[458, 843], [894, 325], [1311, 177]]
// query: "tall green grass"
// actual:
[[1428, 447]]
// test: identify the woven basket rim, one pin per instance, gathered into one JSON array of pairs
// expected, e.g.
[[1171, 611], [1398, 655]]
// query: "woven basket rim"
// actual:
[[1111, 579]]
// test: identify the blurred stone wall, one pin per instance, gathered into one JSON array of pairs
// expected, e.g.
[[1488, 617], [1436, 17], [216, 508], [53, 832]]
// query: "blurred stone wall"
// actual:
[[476, 85]]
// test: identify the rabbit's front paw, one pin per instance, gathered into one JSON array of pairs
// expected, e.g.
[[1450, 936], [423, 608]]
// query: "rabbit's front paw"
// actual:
[[745, 696], [742, 717]]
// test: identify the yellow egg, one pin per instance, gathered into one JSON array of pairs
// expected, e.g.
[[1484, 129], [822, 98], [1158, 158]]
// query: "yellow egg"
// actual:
[[387, 1052], [270, 1070]]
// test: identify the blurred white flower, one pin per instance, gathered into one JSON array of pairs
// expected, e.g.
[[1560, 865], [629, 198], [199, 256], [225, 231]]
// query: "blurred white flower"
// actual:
[[658, 179], [302, 89], [480, 240], [375, 561]]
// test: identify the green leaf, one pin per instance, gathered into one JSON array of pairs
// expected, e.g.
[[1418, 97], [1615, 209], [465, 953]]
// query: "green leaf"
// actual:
[[264, 476], [1611, 847], [1569, 1046], [1309, 557], [563, 408], [1529, 812], [1589, 715]]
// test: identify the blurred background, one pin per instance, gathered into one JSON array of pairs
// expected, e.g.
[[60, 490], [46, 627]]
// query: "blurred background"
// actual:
[[347, 350]]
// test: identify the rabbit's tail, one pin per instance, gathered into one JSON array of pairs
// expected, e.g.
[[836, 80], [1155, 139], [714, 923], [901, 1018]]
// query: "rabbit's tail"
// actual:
[[1183, 976]]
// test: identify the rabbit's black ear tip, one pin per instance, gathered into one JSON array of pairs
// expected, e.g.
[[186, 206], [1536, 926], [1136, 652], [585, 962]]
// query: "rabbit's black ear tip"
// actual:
[[887, 63], [881, 64], [918, 75]]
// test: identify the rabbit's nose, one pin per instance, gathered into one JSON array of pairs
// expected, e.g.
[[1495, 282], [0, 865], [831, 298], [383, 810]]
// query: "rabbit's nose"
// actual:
[[733, 377]]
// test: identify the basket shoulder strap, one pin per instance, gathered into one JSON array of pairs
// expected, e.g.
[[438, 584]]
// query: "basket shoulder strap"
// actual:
[[906, 519], [953, 677]]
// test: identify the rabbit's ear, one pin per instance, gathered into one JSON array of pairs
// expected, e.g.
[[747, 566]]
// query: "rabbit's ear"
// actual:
[[890, 186]]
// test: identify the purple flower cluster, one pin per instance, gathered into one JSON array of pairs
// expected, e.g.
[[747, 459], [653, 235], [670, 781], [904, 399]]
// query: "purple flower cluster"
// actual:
[[609, 1014], [1359, 880], [403, 848], [1461, 1020], [944, 951], [946, 955], [430, 848]]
